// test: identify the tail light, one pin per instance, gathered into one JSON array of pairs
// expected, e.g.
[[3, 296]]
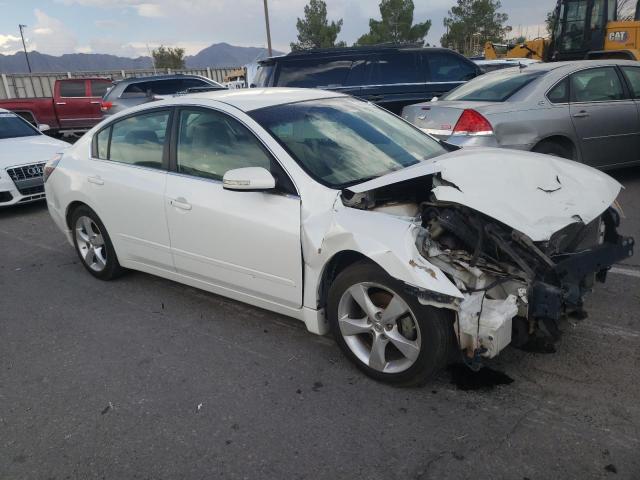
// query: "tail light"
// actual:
[[472, 123], [105, 106], [51, 166]]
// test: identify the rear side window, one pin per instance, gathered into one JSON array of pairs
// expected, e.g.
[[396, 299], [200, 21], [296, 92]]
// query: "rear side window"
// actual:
[[633, 77], [98, 89], [596, 85], [398, 67], [137, 140], [193, 83], [313, 73], [559, 93], [493, 87], [72, 88], [102, 143], [445, 67]]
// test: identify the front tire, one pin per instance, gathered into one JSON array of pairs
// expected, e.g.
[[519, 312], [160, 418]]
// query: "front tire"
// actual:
[[93, 244], [384, 330]]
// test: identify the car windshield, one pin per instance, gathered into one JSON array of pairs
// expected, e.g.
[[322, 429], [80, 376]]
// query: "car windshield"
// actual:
[[344, 141], [12, 126], [494, 87]]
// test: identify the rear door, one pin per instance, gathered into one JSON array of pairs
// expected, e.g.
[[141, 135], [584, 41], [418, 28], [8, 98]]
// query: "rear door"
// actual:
[[605, 119], [72, 105], [395, 79], [127, 180]]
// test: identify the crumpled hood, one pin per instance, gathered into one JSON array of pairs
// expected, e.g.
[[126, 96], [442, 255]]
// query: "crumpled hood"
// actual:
[[533, 193], [25, 150]]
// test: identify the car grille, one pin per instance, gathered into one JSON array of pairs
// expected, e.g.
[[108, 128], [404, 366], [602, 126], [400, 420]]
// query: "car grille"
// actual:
[[28, 178]]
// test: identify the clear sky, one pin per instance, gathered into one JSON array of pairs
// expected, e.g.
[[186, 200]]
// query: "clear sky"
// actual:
[[126, 27]]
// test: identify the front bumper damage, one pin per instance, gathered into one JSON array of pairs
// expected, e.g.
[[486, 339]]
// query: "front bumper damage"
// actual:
[[516, 291]]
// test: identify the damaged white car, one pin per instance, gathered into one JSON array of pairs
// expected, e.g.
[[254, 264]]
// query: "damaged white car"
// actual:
[[333, 211]]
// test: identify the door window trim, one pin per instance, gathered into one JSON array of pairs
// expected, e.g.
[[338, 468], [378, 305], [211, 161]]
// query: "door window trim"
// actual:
[[173, 147]]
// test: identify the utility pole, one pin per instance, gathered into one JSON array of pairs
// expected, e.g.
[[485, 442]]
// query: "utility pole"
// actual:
[[266, 19], [26, 55]]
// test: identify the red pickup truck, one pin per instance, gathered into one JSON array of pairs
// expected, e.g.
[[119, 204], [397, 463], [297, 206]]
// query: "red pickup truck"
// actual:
[[75, 106]]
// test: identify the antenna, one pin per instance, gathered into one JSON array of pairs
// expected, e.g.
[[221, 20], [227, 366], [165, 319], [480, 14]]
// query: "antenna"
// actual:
[[26, 55]]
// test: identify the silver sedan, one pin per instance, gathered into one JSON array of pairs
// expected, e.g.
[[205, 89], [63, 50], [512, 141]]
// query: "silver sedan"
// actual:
[[587, 111]]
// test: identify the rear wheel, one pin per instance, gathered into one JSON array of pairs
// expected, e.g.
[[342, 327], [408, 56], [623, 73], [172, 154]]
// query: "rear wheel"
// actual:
[[554, 148], [93, 245], [384, 330]]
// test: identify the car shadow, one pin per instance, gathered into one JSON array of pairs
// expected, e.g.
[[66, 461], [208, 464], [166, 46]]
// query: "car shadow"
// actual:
[[22, 209]]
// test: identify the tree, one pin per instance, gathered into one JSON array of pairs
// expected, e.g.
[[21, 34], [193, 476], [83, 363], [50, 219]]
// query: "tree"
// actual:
[[626, 9], [315, 31], [550, 21], [471, 23], [168, 57], [396, 25]]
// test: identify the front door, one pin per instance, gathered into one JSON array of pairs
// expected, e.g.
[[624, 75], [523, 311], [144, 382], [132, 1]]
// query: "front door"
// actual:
[[605, 119], [243, 242]]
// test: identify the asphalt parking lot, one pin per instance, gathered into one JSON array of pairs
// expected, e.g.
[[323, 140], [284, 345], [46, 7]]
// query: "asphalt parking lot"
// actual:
[[145, 378]]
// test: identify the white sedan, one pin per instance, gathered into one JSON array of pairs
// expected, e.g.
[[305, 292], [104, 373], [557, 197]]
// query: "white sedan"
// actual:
[[333, 211], [24, 150]]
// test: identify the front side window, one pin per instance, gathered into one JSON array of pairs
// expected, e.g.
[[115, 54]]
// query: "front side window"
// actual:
[[72, 88], [494, 87], [596, 85], [313, 73], [12, 126], [344, 141], [446, 67], [398, 67], [633, 77], [139, 140], [210, 143]]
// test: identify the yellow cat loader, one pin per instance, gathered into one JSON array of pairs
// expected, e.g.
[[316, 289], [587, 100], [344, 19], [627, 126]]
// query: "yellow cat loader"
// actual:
[[584, 29]]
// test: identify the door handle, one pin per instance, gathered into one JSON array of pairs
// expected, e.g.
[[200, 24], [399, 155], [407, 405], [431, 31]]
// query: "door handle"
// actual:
[[581, 114], [96, 103], [180, 203], [61, 103], [95, 180]]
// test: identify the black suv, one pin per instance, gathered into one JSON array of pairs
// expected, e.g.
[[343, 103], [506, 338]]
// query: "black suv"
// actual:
[[391, 76]]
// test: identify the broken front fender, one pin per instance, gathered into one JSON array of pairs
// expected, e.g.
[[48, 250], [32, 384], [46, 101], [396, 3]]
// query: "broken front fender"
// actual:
[[387, 240]]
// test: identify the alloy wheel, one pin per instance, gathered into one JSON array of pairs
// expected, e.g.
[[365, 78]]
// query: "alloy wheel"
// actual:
[[379, 327], [91, 244]]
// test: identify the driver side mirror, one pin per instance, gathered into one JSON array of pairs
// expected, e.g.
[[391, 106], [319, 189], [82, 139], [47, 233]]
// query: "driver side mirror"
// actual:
[[248, 178], [43, 127]]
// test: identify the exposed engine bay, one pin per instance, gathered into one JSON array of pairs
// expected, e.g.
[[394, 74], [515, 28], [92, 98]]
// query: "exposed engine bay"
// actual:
[[514, 290]]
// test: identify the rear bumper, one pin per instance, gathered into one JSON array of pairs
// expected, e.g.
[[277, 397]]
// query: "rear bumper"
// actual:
[[468, 141]]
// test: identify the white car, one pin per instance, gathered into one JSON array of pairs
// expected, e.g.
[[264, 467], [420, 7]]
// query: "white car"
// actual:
[[24, 150], [333, 211]]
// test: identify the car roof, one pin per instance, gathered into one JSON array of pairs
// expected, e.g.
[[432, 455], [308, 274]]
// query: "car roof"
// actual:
[[350, 51], [151, 78], [248, 99], [579, 63]]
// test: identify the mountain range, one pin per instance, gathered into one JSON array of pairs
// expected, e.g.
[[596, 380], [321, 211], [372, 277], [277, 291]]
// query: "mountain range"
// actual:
[[216, 55]]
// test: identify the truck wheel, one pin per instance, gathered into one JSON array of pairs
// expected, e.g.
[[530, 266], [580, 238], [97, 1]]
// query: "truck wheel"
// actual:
[[384, 330]]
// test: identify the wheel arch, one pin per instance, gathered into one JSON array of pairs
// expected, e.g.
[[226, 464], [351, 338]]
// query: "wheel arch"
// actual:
[[563, 140], [332, 268]]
